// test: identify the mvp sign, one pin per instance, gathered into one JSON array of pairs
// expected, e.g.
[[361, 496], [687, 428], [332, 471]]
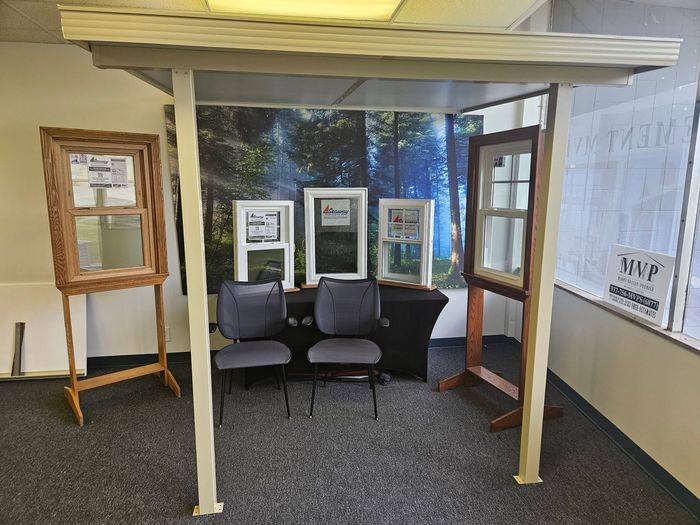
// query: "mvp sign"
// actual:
[[638, 281]]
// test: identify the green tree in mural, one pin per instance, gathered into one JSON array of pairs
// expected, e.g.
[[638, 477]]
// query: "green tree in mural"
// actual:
[[234, 152]]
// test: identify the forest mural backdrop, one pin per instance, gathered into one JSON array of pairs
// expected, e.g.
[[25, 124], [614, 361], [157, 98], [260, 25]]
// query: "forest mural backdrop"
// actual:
[[258, 153]]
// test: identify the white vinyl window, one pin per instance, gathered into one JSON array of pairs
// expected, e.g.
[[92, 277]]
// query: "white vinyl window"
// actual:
[[336, 233], [501, 220], [264, 247], [405, 252]]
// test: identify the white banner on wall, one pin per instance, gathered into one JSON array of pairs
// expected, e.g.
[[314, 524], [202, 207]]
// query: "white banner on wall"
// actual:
[[638, 281]]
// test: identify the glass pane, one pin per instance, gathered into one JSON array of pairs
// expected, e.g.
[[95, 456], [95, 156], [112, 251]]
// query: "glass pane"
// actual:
[[109, 241], [102, 180], [263, 226], [503, 243], [521, 191], [402, 261], [629, 150], [503, 167], [335, 223], [500, 195], [266, 264], [403, 223], [522, 171]]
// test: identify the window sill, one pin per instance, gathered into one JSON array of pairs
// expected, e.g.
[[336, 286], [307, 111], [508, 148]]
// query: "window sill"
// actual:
[[681, 339]]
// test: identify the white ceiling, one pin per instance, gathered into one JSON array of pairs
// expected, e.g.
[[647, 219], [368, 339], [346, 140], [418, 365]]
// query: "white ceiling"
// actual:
[[39, 21]]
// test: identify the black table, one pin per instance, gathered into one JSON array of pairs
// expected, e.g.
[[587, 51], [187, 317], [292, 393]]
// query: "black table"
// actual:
[[404, 344]]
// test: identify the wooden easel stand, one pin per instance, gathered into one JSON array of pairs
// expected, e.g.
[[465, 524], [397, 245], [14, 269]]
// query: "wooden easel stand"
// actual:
[[72, 392], [474, 373]]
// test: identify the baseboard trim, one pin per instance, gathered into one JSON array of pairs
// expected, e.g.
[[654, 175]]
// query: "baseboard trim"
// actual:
[[675, 488], [443, 342], [114, 361]]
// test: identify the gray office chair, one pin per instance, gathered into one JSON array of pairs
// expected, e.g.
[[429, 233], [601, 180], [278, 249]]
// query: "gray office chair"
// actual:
[[348, 310], [252, 311]]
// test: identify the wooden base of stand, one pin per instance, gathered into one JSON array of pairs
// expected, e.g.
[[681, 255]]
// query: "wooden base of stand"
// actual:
[[72, 394], [160, 369], [475, 375], [514, 418]]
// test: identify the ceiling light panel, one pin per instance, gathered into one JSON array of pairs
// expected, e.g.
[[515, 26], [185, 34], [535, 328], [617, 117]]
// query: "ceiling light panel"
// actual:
[[377, 10]]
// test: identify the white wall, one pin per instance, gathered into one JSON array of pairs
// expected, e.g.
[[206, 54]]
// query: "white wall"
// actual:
[[645, 384], [56, 85]]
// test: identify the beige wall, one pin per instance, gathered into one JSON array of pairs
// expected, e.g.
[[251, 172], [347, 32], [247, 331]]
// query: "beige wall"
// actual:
[[56, 85], [646, 384]]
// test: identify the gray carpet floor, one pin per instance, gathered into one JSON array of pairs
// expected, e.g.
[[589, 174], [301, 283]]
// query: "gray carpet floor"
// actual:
[[429, 459]]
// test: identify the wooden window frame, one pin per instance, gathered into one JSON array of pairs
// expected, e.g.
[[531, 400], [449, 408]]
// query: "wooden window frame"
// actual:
[[518, 288], [57, 145]]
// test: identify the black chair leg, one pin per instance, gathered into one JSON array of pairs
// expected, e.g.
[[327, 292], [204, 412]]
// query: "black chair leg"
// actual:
[[325, 377], [230, 381], [277, 378], [223, 391], [313, 391], [286, 396], [374, 390]]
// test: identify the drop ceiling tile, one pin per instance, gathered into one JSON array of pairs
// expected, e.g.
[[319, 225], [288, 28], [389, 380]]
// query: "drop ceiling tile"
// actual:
[[27, 35], [170, 5], [11, 19], [44, 14], [466, 13]]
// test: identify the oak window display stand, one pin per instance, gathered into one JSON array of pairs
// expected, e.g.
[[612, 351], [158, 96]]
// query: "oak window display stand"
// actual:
[[105, 204], [501, 203]]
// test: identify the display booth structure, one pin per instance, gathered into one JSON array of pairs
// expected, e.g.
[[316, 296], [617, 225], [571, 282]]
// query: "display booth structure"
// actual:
[[105, 204], [502, 196], [405, 251], [336, 233], [360, 66], [264, 247]]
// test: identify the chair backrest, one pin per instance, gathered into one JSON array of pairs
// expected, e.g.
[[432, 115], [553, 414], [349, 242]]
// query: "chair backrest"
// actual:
[[251, 310], [347, 307]]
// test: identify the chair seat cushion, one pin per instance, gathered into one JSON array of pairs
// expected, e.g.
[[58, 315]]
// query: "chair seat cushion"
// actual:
[[252, 353], [342, 350]]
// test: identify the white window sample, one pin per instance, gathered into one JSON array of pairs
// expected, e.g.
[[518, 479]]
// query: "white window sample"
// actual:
[[405, 252], [336, 233], [264, 247], [502, 210]]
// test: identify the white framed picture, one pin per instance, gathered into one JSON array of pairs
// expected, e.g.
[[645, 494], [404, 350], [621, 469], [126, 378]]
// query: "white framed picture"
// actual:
[[264, 247], [405, 251], [336, 233]]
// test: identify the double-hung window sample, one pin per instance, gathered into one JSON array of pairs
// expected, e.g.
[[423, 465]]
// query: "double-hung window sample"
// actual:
[[501, 207], [405, 251], [264, 241]]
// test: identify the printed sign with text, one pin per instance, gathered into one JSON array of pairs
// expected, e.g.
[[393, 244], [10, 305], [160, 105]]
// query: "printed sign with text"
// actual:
[[335, 212], [638, 281]]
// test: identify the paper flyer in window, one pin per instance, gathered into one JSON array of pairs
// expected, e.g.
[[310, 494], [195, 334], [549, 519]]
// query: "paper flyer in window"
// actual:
[[99, 171], [119, 173], [78, 166], [638, 281], [404, 224], [263, 226], [335, 212]]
